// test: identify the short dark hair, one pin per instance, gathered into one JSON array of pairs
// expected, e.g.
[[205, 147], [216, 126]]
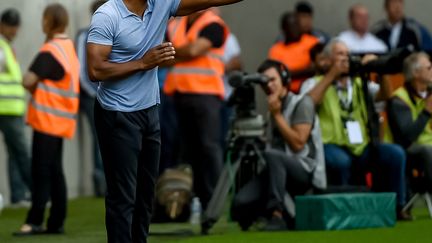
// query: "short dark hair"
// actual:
[[316, 50], [96, 4], [10, 17], [283, 71], [304, 7], [387, 2], [284, 19]]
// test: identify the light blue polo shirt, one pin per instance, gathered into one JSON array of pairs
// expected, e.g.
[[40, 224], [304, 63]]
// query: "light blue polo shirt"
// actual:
[[130, 37]]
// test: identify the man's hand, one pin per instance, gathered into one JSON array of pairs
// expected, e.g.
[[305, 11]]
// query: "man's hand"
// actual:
[[274, 104], [368, 58], [428, 102], [157, 55]]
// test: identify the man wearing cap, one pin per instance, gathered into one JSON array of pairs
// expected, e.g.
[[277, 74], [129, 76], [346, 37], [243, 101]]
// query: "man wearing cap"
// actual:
[[12, 108]]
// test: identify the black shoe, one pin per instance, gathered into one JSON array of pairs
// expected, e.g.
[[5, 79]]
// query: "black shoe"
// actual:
[[58, 231], [275, 224], [404, 216], [29, 230]]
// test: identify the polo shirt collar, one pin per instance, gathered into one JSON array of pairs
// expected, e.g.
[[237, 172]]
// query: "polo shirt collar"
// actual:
[[124, 11]]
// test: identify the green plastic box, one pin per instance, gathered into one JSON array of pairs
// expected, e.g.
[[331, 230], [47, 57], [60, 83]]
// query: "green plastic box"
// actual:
[[345, 211]]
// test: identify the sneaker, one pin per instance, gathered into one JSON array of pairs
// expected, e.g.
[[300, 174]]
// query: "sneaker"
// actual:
[[58, 231], [404, 216], [275, 224], [28, 230], [21, 204]]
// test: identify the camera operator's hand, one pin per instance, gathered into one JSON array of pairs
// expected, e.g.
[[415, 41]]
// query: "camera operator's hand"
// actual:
[[368, 58], [428, 102], [274, 104]]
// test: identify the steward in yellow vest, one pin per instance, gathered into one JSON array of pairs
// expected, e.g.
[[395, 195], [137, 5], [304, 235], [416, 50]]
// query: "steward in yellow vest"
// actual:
[[12, 108], [409, 114]]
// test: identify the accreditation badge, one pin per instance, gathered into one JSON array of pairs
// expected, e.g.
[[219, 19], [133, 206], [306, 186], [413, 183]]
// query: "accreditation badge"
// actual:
[[354, 132]]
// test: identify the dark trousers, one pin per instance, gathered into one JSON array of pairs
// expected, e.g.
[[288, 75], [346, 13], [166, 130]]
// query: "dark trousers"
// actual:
[[87, 111], [285, 174], [130, 148], [18, 150], [169, 133], [420, 158], [265, 193], [199, 124], [48, 181], [388, 169]]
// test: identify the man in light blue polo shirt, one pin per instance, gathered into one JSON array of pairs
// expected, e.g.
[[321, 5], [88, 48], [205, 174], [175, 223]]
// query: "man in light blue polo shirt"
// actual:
[[124, 49]]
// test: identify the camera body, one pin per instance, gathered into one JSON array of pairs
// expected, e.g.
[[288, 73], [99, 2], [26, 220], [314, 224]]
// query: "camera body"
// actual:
[[247, 122], [390, 63]]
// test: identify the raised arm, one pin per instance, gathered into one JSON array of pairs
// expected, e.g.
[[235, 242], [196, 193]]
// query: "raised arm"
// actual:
[[190, 6]]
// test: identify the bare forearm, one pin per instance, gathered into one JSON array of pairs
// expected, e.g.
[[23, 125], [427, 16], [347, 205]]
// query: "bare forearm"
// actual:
[[108, 71], [186, 53], [317, 93], [30, 81], [190, 6], [233, 65], [290, 136]]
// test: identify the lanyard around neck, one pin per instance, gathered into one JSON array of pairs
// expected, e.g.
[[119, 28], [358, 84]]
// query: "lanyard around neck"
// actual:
[[346, 101]]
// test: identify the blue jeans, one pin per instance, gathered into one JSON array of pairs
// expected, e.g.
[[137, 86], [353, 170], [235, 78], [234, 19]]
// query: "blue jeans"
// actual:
[[19, 163], [388, 168]]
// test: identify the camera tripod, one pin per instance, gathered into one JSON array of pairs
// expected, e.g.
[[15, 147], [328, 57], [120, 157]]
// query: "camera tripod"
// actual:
[[244, 161]]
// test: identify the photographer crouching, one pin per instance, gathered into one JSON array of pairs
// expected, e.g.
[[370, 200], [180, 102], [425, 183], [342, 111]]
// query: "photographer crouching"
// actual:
[[295, 162]]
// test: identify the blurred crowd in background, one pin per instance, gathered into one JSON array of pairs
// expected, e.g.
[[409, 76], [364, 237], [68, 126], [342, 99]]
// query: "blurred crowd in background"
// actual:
[[329, 125]]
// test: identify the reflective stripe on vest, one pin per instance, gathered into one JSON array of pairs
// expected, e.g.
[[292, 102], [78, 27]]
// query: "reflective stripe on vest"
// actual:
[[11, 83], [11, 97], [187, 70], [53, 111]]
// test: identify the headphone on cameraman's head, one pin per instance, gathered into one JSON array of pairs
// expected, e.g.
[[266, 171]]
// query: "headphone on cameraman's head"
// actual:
[[283, 71]]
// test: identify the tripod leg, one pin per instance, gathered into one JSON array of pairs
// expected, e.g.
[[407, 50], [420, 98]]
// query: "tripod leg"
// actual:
[[289, 205], [411, 202], [427, 197], [217, 201]]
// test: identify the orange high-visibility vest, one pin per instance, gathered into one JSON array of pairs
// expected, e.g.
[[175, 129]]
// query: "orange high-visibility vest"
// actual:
[[294, 55], [204, 74], [53, 106]]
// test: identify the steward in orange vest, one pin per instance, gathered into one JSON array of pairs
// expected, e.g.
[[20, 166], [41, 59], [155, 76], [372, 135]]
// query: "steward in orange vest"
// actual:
[[200, 75], [196, 80], [294, 51], [54, 105], [53, 81]]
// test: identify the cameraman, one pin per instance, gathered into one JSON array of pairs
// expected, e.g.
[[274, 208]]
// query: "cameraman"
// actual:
[[343, 118], [296, 160], [410, 114]]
